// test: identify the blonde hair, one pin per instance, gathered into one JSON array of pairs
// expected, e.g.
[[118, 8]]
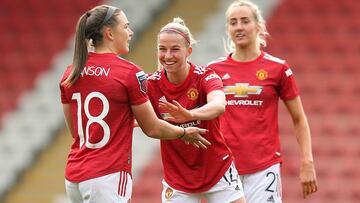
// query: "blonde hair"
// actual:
[[263, 33], [178, 26]]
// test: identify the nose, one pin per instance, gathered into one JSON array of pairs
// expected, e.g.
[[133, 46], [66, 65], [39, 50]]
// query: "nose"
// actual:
[[238, 26], [131, 33], [168, 54]]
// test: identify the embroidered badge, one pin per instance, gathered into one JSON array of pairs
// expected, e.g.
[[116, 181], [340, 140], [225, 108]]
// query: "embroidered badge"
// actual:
[[261, 74], [168, 193], [142, 79], [192, 93]]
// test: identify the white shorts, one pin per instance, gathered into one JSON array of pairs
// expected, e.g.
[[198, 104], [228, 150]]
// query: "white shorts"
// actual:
[[263, 186], [228, 189], [115, 187]]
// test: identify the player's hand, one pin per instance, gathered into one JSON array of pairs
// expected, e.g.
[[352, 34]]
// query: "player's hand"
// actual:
[[193, 136], [178, 114], [308, 179]]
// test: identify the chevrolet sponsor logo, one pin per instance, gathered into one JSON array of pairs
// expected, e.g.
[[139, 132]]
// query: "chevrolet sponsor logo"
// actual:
[[242, 90]]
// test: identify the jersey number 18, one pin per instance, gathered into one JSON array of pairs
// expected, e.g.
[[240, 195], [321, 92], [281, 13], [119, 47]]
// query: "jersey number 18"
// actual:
[[92, 119]]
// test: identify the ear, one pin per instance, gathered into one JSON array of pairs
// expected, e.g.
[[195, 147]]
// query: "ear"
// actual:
[[258, 28], [189, 51], [108, 34]]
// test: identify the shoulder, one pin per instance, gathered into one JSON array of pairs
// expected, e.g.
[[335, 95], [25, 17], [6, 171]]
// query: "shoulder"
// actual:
[[126, 64], [66, 73], [205, 72], [281, 64], [274, 59], [154, 76], [200, 70], [216, 61]]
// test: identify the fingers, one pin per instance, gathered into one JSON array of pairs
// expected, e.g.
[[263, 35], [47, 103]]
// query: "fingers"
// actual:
[[203, 131], [170, 119], [309, 188], [305, 190], [177, 104], [204, 141], [167, 105], [195, 145], [199, 142], [202, 145]]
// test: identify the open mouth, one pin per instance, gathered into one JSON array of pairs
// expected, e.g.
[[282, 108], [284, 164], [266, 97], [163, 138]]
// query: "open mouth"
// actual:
[[169, 63]]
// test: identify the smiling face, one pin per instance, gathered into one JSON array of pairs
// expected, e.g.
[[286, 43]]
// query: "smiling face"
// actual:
[[242, 26], [173, 51]]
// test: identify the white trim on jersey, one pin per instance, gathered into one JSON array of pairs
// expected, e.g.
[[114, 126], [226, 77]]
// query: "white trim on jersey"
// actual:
[[288, 72], [200, 70], [155, 76], [217, 60], [273, 58]]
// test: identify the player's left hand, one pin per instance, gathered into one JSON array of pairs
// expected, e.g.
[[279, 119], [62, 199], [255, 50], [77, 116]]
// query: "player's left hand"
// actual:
[[178, 113], [193, 136], [308, 179]]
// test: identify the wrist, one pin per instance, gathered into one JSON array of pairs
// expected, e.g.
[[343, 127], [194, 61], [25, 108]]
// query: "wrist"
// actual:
[[307, 162], [183, 134]]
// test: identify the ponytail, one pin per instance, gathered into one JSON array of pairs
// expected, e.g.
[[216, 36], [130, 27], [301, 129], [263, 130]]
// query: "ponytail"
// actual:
[[80, 52], [89, 32]]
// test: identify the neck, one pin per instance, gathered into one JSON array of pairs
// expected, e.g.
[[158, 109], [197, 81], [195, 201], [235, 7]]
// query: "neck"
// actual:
[[244, 54], [179, 76], [105, 48]]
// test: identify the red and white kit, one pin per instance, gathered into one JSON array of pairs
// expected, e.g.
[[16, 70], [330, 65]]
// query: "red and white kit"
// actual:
[[102, 118], [187, 168], [250, 122]]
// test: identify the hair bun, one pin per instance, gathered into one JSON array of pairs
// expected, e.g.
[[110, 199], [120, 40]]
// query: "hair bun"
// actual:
[[179, 21]]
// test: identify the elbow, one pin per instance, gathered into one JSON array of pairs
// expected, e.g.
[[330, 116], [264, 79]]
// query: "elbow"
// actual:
[[221, 111], [151, 133]]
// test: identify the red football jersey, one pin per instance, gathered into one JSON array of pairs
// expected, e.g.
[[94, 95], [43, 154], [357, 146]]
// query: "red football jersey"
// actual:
[[250, 122], [187, 168], [101, 102]]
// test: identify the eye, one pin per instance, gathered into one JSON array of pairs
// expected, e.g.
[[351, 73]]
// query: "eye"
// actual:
[[161, 49], [245, 21], [232, 22], [127, 26]]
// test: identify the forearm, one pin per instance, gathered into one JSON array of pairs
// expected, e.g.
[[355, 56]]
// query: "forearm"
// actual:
[[164, 130], [302, 132], [209, 111], [152, 126]]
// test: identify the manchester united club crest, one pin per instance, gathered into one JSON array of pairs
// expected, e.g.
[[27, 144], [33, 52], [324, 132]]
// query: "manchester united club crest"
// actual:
[[192, 94], [168, 193], [261, 74]]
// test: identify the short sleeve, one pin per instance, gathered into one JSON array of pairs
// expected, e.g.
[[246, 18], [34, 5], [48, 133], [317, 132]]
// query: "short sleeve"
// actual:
[[287, 86], [64, 98], [137, 86], [211, 81]]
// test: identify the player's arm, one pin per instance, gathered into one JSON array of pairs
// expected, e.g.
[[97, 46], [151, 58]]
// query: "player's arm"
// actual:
[[302, 132], [215, 106], [216, 103], [154, 127], [68, 118]]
